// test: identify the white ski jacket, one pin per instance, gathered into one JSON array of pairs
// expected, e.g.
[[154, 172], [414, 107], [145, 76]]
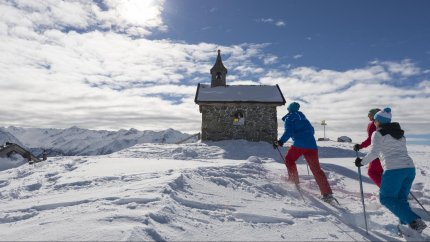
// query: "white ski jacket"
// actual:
[[392, 152]]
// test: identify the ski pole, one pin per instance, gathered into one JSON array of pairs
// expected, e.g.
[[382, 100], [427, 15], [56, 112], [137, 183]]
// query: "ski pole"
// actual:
[[307, 166], [282, 157], [362, 196], [300, 191], [280, 154], [419, 203]]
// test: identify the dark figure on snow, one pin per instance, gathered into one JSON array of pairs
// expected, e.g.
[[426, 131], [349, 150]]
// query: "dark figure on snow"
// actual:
[[300, 130], [375, 168], [45, 155], [389, 143]]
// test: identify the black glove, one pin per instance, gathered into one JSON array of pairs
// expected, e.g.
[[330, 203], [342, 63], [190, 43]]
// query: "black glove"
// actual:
[[277, 143], [358, 162], [356, 147]]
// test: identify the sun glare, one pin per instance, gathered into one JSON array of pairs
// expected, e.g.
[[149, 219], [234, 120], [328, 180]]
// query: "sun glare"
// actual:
[[141, 12]]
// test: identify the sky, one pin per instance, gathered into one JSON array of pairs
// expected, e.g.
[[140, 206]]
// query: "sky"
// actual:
[[110, 64]]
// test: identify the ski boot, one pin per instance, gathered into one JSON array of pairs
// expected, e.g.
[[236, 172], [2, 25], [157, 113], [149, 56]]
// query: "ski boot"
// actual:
[[418, 225], [330, 199]]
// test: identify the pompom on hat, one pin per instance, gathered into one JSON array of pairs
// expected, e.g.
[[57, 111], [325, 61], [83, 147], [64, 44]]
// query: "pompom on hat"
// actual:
[[293, 107], [383, 116]]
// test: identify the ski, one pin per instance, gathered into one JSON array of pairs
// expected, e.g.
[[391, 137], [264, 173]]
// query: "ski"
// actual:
[[411, 235], [333, 206]]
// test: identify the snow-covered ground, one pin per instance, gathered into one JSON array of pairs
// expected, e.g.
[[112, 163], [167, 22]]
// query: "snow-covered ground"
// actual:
[[230, 190]]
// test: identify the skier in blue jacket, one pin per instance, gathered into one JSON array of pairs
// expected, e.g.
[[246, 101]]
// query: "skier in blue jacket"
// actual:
[[300, 130]]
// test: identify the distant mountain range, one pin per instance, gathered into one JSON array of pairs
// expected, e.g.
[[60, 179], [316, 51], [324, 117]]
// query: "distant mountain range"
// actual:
[[77, 141]]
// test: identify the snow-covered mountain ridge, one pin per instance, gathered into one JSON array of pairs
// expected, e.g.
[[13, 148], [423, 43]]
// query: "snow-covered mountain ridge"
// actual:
[[77, 141]]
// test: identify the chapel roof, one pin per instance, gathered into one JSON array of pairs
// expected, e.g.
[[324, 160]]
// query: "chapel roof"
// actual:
[[239, 94]]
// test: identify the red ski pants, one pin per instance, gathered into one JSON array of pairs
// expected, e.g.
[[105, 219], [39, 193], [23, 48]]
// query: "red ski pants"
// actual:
[[375, 171], [311, 157]]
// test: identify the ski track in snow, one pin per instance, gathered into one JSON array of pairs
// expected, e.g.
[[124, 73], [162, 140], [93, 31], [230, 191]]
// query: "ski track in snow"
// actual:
[[232, 190]]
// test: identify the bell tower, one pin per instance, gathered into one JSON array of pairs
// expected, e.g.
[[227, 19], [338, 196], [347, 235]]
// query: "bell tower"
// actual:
[[218, 72]]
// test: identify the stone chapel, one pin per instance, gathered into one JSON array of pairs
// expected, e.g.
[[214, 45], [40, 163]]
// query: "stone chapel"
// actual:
[[238, 111]]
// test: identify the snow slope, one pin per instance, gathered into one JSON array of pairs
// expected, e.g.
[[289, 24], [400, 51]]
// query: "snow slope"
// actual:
[[230, 190], [77, 141]]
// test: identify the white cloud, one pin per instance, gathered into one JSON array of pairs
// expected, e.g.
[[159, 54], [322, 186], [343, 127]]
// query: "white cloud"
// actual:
[[103, 80], [248, 70], [266, 20], [51, 76], [280, 23], [344, 98], [405, 68], [270, 59], [298, 56], [244, 82], [134, 17]]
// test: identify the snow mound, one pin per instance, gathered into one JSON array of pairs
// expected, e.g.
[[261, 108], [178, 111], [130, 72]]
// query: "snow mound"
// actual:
[[181, 153], [254, 159]]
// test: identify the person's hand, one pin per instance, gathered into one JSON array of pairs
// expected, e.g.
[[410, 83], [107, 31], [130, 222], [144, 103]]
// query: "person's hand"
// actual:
[[356, 147], [358, 162], [277, 143]]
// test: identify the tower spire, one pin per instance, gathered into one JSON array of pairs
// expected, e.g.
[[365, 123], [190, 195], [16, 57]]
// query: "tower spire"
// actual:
[[218, 72]]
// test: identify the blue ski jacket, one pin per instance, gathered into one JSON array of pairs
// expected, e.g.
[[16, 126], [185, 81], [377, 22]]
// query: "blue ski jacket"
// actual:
[[300, 130]]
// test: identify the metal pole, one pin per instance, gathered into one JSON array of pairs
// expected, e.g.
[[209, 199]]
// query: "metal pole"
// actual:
[[362, 196], [324, 132], [280, 154], [419, 203]]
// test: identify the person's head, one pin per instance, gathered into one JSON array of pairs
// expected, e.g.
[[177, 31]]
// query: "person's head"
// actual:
[[382, 117], [293, 107], [372, 113]]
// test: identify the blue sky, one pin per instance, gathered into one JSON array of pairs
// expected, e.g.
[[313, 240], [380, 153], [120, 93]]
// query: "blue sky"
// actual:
[[111, 64], [327, 34]]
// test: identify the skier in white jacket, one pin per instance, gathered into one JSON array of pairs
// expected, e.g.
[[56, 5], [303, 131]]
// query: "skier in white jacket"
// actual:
[[389, 144]]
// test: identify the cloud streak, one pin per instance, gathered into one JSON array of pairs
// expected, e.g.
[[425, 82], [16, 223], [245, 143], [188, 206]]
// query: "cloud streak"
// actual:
[[277, 23]]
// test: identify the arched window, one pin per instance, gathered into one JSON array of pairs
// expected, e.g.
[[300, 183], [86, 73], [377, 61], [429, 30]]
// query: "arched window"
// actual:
[[218, 75], [238, 118]]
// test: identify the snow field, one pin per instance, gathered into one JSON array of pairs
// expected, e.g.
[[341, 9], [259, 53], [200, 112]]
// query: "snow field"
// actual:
[[231, 190]]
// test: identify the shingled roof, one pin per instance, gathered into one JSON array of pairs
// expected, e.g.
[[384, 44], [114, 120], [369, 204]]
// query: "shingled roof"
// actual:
[[239, 94]]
